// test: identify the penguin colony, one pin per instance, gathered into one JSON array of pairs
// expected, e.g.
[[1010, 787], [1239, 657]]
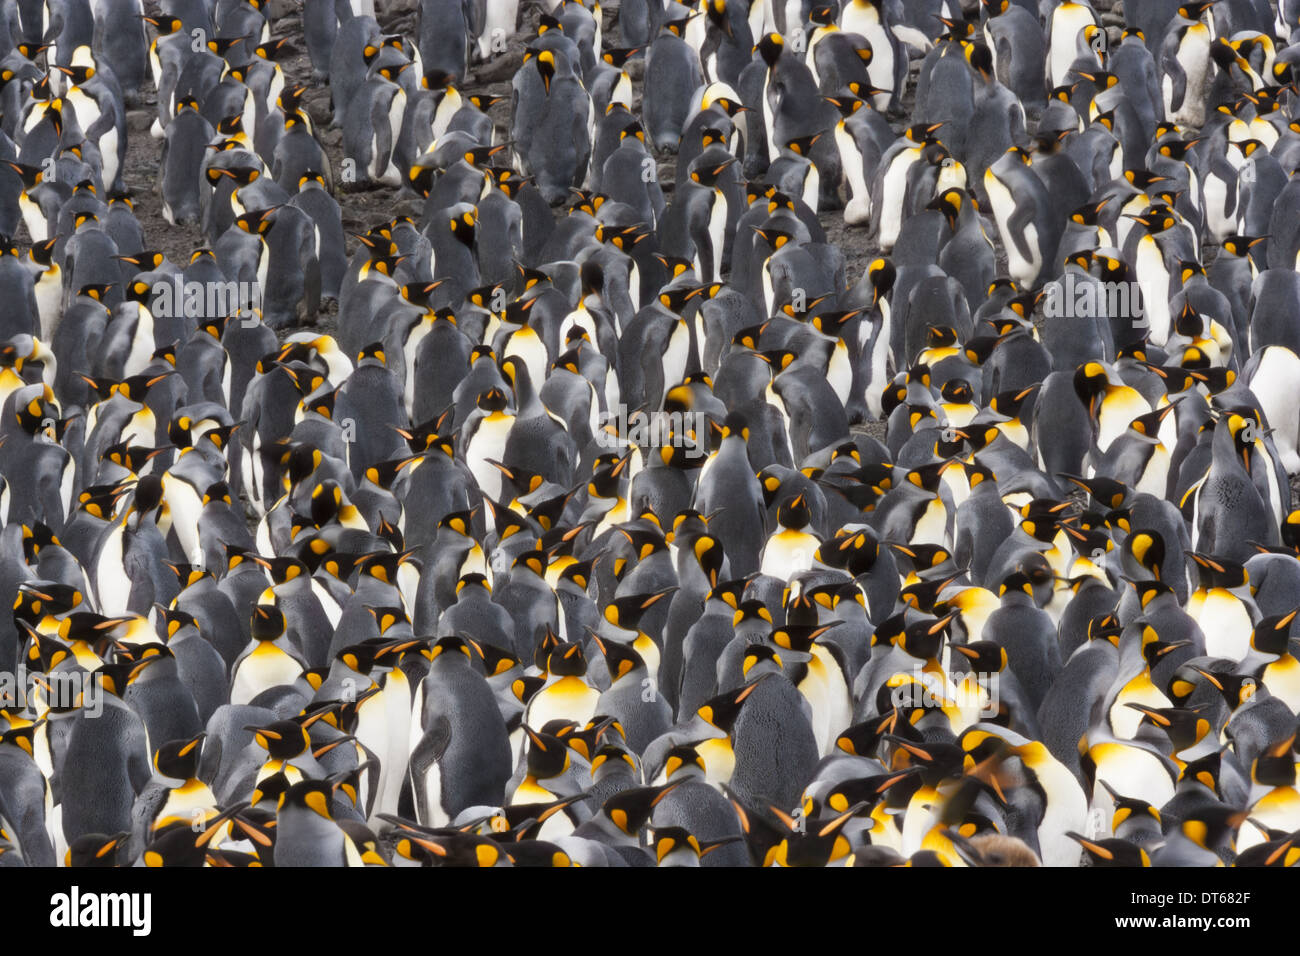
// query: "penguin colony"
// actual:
[[566, 546]]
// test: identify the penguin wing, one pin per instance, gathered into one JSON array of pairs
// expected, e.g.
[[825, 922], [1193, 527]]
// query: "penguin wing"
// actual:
[[1173, 71], [475, 14], [429, 751], [144, 812], [1019, 220], [379, 122]]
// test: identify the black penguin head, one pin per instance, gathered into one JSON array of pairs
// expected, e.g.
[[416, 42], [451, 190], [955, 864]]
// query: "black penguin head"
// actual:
[[1275, 767], [448, 648], [1111, 851], [626, 612], [984, 657], [544, 62], [881, 273], [548, 755], [770, 47], [1236, 689], [848, 105], [463, 227], [312, 795], [981, 59], [683, 762], [568, 660], [1272, 635], [617, 57], [1247, 432], [1183, 726], [620, 658], [268, 623], [179, 759], [950, 202], [721, 711], [795, 513], [630, 810], [95, 850], [283, 739], [923, 133], [165, 25]]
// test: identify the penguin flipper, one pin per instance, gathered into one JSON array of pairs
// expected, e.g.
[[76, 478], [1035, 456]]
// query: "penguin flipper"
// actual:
[[429, 751], [383, 139], [1020, 218], [1173, 72], [143, 813]]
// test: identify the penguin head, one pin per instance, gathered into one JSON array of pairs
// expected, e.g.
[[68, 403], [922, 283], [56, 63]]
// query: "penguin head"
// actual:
[[1214, 571], [802, 145], [924, 639], [923, 134], [881, 273], [1272, 635], [179, 759], [496, 661], [283, 739], [77, 75], [795, 513], [450, 648], [831, 324], [797, 640], [1144, 551], [113, 678], [848, 105], [545, 64], [1195, 10], [721, 711], [220, 46], [1239, 245], [1147, 427], [568, 660], [950, 202], [548, 756], [257, 223], [1011, 404], [268, 623], [314, 796], [1236, 689], [530, 563], [1245, 432], [95, 850], [626, 612], [984, 657], [981, 60], [706, 171], [677, 844], [620, 659], [463, 227], [1111, 852], [770, 47], [1090, 383], [1184, 727], [165, 25], [1275, 767]]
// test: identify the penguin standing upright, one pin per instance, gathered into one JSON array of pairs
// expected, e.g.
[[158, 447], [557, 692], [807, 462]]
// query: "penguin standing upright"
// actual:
[[1023, 211], [1186, 69]]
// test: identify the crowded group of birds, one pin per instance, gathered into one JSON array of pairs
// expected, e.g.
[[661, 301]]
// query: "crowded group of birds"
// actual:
[[608, 506]]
